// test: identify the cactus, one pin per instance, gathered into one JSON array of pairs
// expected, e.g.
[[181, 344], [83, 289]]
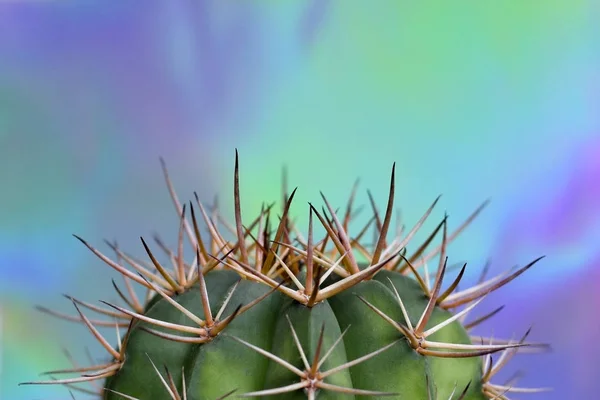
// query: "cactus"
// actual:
[[284, 316]]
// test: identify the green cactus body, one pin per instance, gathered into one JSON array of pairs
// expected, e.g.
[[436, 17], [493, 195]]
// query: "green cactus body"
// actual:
[[223, 364], [276, 316]]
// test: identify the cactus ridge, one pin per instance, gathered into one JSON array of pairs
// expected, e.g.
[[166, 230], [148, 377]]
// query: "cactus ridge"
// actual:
[[230, 322]]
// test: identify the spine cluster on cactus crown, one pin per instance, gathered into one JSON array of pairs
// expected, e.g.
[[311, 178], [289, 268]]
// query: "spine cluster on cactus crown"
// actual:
[[276, 261]]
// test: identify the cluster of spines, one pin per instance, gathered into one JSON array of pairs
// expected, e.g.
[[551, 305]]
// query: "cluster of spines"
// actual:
[[277, 262]]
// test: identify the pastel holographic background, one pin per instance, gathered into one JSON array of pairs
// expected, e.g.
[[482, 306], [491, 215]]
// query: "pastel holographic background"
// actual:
[[471, 99]]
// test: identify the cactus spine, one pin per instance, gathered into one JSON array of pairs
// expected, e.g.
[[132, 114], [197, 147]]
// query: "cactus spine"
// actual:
[[284, 316]]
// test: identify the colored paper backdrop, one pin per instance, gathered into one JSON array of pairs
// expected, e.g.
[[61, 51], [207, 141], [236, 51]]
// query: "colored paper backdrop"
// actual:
[[473, 100]]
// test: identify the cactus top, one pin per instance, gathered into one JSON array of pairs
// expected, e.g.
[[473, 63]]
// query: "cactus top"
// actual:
[[281, 315]]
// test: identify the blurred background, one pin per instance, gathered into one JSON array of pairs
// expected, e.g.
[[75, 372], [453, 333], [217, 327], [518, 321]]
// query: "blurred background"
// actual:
[[473, 100]]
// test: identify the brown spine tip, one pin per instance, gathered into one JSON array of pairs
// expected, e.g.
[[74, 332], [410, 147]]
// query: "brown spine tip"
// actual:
[[238, 210], [383, 230]]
